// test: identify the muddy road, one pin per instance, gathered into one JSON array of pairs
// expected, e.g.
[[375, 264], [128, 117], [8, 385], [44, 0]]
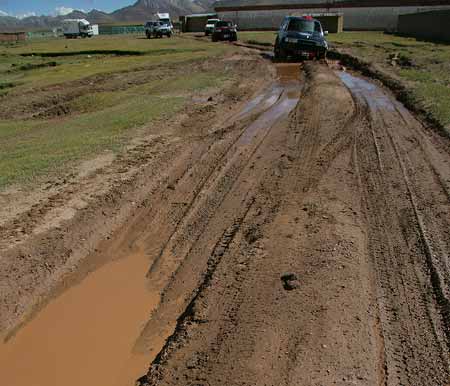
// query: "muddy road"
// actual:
[[302, 237]]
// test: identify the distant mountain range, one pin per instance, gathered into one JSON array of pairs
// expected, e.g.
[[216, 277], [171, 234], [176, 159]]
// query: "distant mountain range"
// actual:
[[139, 12]]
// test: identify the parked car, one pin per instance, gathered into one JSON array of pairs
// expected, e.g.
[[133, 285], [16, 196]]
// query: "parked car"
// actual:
[[164, 18], [224, 30], [157, 29], [301, 37], [209, 27]]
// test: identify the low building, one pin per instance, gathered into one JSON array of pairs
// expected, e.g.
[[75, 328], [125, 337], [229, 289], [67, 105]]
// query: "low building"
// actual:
[[12, 36], [432, 25], [357, 14], [331, 22], [195, 22]]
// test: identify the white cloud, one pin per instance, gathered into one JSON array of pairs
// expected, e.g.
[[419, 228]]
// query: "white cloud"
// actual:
[[3, 13], [63, 11]]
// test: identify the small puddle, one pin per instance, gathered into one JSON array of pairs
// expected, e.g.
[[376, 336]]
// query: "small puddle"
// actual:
[[276, 104], [288, 72], [288, 75], [261, 102], [367, 92], [86, 335], [268, 119]]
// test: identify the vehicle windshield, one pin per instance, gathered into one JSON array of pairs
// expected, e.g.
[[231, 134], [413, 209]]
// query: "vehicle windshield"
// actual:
[[223, 24], [301, 25], [165, 22]]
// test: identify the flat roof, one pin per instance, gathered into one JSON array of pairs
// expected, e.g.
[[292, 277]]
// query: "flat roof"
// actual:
[[319, 14], [255, 5], [201, 14]]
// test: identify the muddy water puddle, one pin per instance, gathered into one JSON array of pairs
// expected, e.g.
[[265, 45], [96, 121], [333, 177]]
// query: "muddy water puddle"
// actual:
[[86, 335], [367, 92], [288, 72], [287, 86]]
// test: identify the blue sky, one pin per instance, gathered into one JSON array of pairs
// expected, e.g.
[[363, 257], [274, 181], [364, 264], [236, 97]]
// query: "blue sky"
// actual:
[[47, 7]]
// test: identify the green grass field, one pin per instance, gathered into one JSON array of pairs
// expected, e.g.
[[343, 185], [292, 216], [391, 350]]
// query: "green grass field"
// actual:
[[79, 58], [424, 67], [31, 147]]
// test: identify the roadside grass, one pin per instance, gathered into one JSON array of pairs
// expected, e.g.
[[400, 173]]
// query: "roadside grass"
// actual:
[[177, 87], [94, 56], [424, 67], [32, 148], [137, 43], [29, 149]]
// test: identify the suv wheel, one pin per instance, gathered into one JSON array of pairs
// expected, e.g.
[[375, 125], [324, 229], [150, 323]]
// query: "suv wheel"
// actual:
[[321, 55], [279, 53]]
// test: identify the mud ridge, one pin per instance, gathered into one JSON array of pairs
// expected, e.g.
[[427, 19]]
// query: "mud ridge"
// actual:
[[188, 317]]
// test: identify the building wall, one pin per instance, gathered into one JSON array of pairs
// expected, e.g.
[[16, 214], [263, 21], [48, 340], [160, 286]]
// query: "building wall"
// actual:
[[332, 24], [196, 24], [427, 25], [375, 18], [12, 36]]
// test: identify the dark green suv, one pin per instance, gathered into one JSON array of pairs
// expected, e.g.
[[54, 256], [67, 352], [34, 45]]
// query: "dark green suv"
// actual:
[[301, 37]]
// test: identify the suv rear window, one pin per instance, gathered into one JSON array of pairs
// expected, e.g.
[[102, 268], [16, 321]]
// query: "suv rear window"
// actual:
[[301, 25], [223, 24]]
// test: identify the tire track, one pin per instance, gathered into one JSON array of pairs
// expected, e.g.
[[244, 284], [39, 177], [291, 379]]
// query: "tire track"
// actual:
[[413, 328], [215, 188]]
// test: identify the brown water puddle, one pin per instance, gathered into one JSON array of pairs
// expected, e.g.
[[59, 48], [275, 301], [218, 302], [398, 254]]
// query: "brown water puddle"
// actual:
[[86, 336], [288, 72]]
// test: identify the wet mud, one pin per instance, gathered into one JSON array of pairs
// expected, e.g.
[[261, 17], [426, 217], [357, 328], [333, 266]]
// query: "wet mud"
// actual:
[[322, 174]]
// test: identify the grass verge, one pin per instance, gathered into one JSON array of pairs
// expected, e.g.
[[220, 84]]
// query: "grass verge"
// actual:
[[97, 121]]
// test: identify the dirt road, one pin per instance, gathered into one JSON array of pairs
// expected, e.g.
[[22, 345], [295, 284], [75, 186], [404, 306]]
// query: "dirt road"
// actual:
[[302, 239]]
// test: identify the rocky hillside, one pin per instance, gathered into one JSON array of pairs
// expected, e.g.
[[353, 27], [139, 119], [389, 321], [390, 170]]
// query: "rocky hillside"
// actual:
[[138, 12]]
